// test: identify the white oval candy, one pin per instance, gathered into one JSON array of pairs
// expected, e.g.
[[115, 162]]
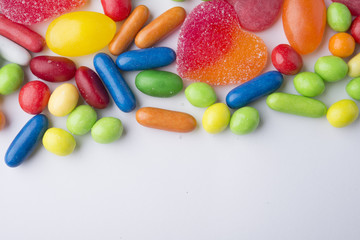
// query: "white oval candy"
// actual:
[[14, 53]]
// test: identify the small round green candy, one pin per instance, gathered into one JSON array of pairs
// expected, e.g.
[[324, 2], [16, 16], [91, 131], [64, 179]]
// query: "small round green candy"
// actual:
[[200, 94], [331, 68], [353, 88], [244, 120], [339, 17], [11, 78], [107, 130], [309, 84], [81, 120]]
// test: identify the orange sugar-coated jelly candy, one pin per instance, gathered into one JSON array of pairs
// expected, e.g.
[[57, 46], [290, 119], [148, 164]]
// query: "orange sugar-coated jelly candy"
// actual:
[[212, 47], [304, 23]]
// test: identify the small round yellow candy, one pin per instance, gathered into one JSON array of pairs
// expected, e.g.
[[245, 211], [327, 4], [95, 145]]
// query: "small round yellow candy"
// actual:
[[63, 100], [216, 118], [80, 33], [342, 113], [59, 141]]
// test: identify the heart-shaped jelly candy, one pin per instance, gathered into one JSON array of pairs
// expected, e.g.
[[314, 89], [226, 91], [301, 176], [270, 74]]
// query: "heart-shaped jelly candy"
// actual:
[[34, 11], [212, 47]]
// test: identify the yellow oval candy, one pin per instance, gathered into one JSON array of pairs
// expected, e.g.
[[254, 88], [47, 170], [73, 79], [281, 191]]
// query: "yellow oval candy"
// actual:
[[342, 113], [59, 141], [63, 100], [80, 33], [216, 118]]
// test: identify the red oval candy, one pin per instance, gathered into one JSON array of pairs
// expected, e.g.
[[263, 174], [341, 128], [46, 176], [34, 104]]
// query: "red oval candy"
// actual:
[[355, 29], [53, 69], [34, 97], [117, 10], [21, 35], [91, 88], [286, 60]]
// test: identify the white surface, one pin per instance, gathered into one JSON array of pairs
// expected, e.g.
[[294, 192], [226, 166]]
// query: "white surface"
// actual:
[[293, 178]]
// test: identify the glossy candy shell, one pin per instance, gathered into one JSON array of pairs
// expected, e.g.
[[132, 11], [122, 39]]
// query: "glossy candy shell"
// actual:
[[254, 89], [304, 23], [53, 69], [26, 140], [114, 82], [144, 59], [91, 88]]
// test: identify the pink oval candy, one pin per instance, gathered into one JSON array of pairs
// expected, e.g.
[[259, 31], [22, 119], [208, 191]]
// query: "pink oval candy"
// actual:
[[256, 16]]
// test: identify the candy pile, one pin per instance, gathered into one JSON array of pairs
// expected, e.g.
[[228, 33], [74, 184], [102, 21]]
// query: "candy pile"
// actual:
[[215, 47]]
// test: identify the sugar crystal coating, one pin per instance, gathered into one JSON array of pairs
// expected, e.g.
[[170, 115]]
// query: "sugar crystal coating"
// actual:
[[212, 47], [34, 11]]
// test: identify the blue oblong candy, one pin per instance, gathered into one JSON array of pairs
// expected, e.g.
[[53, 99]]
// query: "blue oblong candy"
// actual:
[[26, 141], [254, 89], [144, 59], [114, 82]]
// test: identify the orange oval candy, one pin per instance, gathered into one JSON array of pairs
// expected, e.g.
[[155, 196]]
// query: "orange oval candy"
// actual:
[[304, 23], [165, 119]]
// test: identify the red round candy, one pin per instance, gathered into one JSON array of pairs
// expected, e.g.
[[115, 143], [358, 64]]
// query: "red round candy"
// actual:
[[53, 69], [286, 60], [91, 88], [117, 10], [355, 29], [34, 97]]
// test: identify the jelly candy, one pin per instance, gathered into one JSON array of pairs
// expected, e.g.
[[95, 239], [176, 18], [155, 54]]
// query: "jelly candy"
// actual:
[[212, 48], [304, 23], [165, 119], [13, 52], [117, 10], [21, 34], [33, 11], [52, 68], [26, 140], [353, 5], [342, 113], [34, 97], [158, 83], [80, 33], [355, 29], [257, 15], [286, 60], [107, 130]]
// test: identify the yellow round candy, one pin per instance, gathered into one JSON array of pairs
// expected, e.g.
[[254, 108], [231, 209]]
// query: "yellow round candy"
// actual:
[[80, 33], [59, 141], [216, 118], [342, 113], [63, 100]]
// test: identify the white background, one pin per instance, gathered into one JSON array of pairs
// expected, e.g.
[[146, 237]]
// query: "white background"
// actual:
[[293, 178]]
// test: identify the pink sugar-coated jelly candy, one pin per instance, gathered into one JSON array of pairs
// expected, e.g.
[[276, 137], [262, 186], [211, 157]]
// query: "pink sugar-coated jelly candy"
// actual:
[[34, 11], [212, 48], [353, 5], [256, 15]]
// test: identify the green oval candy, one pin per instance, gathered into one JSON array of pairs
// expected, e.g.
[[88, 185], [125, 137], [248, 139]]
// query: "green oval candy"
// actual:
[[353, 88], [158, 83], [107, 130], [295, 104], [331, 68], [244, 120], [309, 84], [11, 78], [81, 120], [339, 17], [200, 94]]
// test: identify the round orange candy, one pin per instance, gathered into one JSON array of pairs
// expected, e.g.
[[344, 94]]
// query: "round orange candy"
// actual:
[[342, 45], [2, 120]]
